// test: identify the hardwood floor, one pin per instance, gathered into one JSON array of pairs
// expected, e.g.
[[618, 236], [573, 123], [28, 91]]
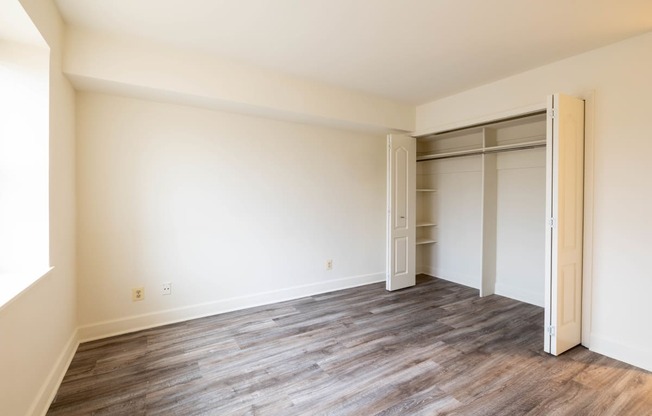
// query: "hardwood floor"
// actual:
[[436, 348]]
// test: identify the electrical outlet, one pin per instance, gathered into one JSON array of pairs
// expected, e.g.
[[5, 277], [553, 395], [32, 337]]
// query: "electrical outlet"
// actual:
[[329, 264], [137, 293], [166, 289]]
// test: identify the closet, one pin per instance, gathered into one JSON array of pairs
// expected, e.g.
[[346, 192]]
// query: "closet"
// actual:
[[495, 206], [480, 205]]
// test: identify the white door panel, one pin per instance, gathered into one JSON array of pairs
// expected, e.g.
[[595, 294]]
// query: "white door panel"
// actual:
[[564, 209], [401, 211]]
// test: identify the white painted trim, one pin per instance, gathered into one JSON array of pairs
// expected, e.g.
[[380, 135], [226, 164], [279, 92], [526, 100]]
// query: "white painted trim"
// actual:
[[460, 280], [27, 279], [487, 118], [513, 292], [639, 357], [587, 260], [50, 386], [430, 271], [139, 322], [422, 269]]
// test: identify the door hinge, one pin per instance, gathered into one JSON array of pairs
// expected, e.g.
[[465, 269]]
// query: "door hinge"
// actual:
[[552, 223], [552, 113], [550, 330]]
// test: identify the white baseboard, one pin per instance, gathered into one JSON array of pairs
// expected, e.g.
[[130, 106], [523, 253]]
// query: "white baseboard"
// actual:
[[639, 357], [169, 316], [460, 280], [513, 292], [430, 271], [420, 269], [51, 385]]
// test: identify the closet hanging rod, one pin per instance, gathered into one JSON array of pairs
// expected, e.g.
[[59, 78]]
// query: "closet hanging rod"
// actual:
[[498, 149], [449, 155], [493, 149]]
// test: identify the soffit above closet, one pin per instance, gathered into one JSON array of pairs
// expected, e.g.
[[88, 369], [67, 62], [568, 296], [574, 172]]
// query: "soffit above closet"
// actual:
[[410, 51]]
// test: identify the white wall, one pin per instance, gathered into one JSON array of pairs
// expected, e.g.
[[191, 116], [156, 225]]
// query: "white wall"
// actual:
[[37, 329], [232, 210], [619, 75], [520, 231]]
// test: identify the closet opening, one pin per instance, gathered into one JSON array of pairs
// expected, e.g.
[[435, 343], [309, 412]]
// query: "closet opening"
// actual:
[[480, 205], [498, 207]]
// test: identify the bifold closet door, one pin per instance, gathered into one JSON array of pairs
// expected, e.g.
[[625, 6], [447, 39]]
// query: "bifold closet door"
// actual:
[[401, 211], [564, 211]]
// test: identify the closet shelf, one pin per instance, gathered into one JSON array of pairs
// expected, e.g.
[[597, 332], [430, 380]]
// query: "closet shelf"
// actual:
[[426, 190], [426, 224], [481, 150], [421, 241]]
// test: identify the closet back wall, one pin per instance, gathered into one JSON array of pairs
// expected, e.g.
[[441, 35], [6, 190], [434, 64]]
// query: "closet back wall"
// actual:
[[233, 210], [521, 236]]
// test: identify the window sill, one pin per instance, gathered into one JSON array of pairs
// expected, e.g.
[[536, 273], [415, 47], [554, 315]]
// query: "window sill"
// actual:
[[14, 284]]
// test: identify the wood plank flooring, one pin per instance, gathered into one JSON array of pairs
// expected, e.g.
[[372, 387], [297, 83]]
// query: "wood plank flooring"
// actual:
[[436, 348]]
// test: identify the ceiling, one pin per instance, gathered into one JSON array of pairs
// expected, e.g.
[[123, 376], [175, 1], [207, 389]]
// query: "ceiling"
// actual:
[[411, 51]]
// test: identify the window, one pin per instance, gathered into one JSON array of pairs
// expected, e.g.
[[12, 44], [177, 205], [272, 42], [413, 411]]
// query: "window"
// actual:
[[24, 153]]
